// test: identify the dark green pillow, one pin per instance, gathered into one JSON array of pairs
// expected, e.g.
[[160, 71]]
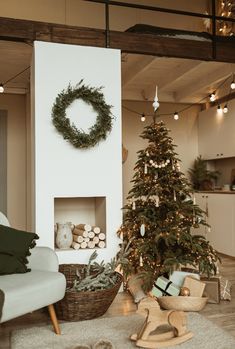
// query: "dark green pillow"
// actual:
[[16, 243], [10, 264]]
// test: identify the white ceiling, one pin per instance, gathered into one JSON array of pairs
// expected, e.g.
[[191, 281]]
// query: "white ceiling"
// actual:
[[178, 80]]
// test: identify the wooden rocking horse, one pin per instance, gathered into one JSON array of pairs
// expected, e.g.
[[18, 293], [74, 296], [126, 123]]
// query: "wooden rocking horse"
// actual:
[[156, 317]]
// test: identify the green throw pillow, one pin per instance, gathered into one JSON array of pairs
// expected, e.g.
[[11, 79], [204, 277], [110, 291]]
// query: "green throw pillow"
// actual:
[[10, 264], [16, 243]]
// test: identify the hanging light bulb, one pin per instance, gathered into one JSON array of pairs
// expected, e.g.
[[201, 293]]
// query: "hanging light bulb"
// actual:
[[212, 97], [1, 88], [225, 109], [232, 85], [143, 117], [219, 110], [176, 116]]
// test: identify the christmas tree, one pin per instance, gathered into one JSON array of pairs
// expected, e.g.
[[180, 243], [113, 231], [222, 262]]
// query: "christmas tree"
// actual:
[[160, 214]]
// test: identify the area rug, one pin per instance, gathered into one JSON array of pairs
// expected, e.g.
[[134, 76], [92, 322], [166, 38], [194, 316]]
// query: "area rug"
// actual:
[[117, 330]]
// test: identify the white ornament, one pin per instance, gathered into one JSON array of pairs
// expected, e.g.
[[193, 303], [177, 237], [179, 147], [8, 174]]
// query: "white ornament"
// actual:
[[142, 229], [174, 196], [145, 169], [156, 166], [151, 162], [194, 200], [155, 103], [157, 201], [141, 261], [147, 153], [133, 205]]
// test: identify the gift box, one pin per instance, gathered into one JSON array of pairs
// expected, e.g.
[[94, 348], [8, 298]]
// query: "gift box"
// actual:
[[212, 289], [195, 286], [177, 277], [164, 287]]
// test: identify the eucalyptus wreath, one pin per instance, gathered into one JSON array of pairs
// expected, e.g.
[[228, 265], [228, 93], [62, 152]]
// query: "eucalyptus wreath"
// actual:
[[92, 96]]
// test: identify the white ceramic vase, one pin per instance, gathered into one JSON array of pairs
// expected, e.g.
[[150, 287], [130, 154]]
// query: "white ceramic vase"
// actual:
[[64, 236]]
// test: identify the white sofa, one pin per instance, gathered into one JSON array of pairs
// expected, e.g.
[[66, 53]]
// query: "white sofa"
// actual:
[[40, 287]]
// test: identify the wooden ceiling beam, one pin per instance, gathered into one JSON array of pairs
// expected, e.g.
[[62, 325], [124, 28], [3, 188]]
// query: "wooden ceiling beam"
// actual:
[[207, 80], [24, 30], [139, 67]]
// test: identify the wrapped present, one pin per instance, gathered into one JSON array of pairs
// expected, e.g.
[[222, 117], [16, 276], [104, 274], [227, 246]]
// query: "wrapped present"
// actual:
[[212, 289], [195, 286], [164, 287], [177, 277]]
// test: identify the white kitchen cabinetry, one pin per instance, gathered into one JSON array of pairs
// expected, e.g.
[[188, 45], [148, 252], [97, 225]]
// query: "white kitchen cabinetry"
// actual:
[[216, 133], [221, 217]]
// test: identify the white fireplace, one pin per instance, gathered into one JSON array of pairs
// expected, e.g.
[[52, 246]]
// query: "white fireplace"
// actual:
[[71, 183]]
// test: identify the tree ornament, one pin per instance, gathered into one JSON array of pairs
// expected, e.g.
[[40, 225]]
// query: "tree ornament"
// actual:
[[92, 96], [174, 196], [142, 229], [145, 169], [185, 291], [141, 261], [157, 201], [133, 205]]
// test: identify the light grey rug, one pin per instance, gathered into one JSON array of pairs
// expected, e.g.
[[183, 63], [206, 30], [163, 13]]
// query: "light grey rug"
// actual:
[[117, 329]]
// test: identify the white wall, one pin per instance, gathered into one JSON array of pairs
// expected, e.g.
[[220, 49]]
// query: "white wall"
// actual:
[[60, 169], [16, 158], [184, 133]]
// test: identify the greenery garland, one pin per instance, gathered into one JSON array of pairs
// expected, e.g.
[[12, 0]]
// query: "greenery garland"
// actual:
[[92, 96]]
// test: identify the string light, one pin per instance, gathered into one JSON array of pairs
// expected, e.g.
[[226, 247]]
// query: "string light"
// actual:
[[143, 118], [225, 109], [176, 116], [219, 110], [212, 97], [13, 77]]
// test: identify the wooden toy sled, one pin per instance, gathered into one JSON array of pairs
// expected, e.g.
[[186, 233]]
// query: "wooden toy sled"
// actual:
[[155, 318]]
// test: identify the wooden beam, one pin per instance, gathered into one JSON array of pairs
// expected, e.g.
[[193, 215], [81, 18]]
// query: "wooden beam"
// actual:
[[137, 68], [175, 75], [149, 44], [206, 80]]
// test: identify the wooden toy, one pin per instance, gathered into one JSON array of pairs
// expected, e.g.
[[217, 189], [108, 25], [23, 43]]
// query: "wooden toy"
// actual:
[[155, 318]]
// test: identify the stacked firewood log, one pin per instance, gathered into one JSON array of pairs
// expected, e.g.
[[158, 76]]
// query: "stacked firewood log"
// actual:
[[87, 236]]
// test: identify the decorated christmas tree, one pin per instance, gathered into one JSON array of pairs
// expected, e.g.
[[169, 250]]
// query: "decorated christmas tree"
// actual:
[[161, 213]]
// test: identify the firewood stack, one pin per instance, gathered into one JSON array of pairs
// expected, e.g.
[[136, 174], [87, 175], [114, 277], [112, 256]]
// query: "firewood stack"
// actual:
[[87, 236]]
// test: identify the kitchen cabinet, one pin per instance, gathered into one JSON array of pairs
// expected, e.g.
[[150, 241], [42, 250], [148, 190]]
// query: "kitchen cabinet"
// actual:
[[221, 217], [216, 133]]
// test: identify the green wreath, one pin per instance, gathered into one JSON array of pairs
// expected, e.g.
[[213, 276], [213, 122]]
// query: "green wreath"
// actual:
[[92, 96]]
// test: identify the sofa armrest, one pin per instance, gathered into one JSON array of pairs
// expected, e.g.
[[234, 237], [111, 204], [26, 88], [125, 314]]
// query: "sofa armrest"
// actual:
[[43, 258]]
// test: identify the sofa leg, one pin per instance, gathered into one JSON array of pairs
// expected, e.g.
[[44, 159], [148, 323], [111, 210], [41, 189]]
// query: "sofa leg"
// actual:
[[54, 320]]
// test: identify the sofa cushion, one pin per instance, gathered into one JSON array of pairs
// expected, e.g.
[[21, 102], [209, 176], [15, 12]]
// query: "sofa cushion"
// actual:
[[10, 264], [30, 291], [16, 243]]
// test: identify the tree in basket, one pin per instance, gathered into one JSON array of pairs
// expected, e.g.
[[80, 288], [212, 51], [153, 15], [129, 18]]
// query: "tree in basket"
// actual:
[[160, 214]]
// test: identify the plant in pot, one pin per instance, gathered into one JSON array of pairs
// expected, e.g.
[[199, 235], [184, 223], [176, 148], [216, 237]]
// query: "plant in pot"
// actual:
[[91, 288], [201, 178]]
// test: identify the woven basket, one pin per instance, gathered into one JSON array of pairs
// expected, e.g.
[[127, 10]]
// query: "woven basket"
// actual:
[[83, 305]]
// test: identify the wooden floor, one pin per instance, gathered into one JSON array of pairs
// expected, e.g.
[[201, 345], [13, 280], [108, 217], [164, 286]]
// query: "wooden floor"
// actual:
[[222, 314]]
